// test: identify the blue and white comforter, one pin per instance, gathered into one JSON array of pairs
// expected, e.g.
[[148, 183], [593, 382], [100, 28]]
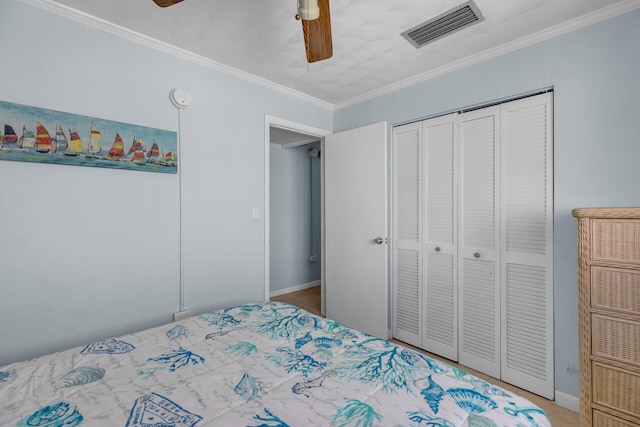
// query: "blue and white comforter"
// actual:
[[268, 365]]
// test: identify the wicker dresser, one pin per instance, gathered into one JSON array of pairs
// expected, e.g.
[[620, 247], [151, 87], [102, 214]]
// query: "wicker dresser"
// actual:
[[609, 315]]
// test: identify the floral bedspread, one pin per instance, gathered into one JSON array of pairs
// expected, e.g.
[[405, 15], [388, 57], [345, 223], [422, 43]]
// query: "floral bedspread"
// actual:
[[268, 364]]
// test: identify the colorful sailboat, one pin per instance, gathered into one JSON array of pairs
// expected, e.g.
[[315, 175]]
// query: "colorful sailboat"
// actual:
[[94, 146], [170, 159], [137, 150], [155, 154], [61, 139], [9, 139], [75, 146], [117, 149], [43, 139], [28, 140]]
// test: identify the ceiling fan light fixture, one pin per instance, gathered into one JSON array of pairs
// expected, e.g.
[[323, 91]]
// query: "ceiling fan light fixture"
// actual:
[[308, 9]]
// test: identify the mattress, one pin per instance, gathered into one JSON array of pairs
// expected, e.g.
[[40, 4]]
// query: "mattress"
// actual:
[[268, 364]]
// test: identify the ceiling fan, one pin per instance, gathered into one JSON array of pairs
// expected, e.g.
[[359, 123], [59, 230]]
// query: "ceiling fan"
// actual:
[[316, 27]]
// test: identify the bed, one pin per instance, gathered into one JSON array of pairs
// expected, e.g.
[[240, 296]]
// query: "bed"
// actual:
[[268, 364]]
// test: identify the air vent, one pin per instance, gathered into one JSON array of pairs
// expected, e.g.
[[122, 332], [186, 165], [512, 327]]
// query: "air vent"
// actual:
[[442, 25]]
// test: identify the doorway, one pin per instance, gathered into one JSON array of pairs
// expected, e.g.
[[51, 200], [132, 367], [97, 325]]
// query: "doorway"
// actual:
[[295, 245], [293, 209], [354, 204]]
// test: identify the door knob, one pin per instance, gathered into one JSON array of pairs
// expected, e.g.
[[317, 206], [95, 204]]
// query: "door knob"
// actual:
[[437, 248], [477, 255], [379, 240]]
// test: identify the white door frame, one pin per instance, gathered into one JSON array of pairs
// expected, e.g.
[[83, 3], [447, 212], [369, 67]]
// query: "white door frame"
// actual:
[[271, 121]]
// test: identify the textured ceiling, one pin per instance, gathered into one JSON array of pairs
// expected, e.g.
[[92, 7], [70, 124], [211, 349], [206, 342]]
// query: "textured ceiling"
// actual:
[[262, 38]]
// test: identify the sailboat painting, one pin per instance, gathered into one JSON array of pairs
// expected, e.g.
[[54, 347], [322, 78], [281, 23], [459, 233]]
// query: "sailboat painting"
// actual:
[[40, 135]]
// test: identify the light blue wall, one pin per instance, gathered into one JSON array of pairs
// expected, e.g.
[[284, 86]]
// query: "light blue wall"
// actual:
[[294, 195], [594, 73], [89, 253]]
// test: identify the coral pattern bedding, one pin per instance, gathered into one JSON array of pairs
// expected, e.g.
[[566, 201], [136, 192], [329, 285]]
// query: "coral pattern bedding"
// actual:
[[269, 365]]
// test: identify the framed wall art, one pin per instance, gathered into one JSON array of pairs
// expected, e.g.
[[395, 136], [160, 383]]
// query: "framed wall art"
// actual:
[[32, 134]]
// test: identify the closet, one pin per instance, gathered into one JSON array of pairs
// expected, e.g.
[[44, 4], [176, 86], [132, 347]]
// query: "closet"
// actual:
[[473, 239]]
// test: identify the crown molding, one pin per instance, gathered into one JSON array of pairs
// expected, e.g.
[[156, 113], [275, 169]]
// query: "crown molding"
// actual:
[[109, 27], [549, 33]]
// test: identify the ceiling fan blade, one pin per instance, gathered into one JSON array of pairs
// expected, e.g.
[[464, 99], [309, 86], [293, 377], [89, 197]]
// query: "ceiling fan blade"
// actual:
[[317, 34], [165, 3]]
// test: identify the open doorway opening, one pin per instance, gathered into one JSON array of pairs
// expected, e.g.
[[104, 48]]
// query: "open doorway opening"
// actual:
[[293, 208], [295, 216]]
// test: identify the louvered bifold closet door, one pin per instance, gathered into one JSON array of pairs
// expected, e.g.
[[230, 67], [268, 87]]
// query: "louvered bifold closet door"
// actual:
[[440, 248], [527, 244], [407, 233], [478, 225]]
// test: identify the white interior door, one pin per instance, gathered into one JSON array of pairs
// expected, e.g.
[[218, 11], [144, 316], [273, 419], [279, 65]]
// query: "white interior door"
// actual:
[[440, 248], [479, 239], [407, 233], [527, 244], [355, 209]]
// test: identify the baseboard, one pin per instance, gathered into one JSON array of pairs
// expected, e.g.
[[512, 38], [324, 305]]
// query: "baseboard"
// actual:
[[567, 401], [295, 288]]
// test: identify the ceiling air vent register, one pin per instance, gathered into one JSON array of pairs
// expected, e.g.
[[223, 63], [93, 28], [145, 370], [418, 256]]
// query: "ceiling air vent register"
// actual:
[[447, 23]]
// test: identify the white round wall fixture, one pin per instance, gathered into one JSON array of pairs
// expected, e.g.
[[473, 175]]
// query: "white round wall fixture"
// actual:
[[180, 98]]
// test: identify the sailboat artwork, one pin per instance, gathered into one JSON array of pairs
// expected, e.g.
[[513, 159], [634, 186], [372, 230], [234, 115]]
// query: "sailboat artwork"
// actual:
[[43, 140], [137, 151], [49, 136], [169, 158], [9, 139], [94, 147], [75, 146], [117, 149], [61, 139], [155, 154], [27, 140]]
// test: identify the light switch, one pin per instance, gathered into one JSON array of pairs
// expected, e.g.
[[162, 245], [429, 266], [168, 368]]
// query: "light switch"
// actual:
[[255, 212]]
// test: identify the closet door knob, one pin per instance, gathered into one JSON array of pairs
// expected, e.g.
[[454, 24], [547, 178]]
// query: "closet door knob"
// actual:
[[477, 255], [437, 248], [378, 240]]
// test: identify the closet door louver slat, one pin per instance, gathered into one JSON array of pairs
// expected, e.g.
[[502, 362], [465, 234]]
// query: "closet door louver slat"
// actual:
[[440, 174], [441, 335], [478, 137], [408, 314], [407, 230], [479, 347], [525, 335]]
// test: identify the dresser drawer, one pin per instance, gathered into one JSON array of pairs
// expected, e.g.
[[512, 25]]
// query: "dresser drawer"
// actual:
[[600, 419], [615, 240], [616, 388], [615, 338], [616, 289]]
